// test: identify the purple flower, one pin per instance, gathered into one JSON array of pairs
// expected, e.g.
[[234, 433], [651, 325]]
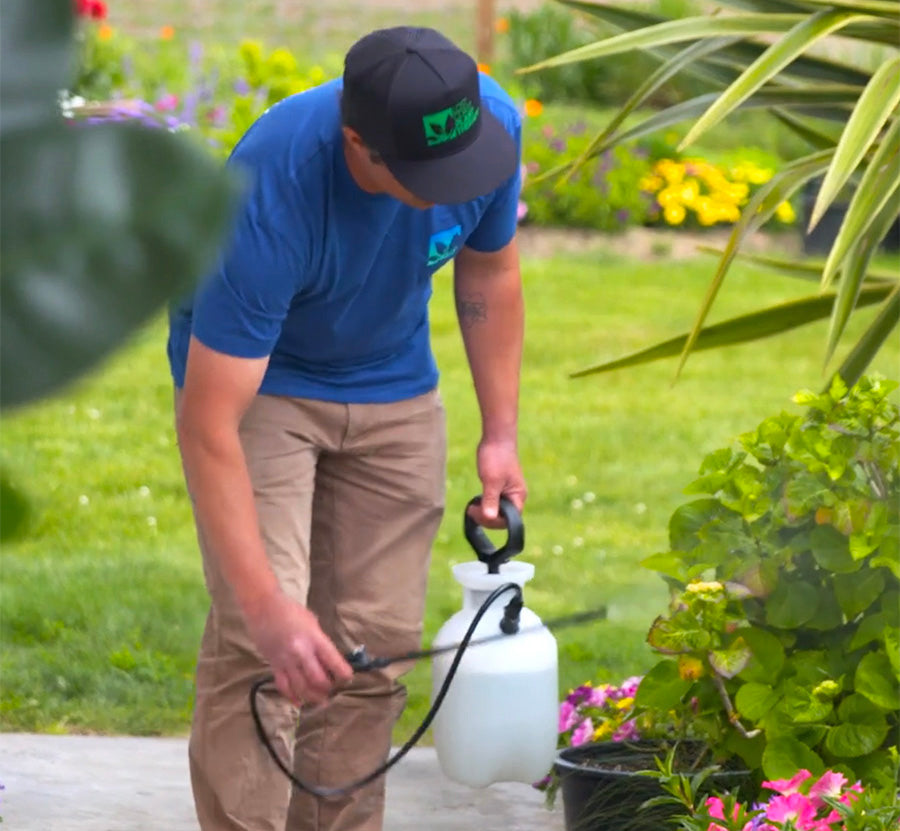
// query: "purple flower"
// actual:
[[630, 686], [558, 145], [627, 731], [567, 716], [195, 51], [622, 215], [241, 87], [598, 696]]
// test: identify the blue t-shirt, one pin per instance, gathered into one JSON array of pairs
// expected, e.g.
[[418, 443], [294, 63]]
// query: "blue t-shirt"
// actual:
[[332, 282]]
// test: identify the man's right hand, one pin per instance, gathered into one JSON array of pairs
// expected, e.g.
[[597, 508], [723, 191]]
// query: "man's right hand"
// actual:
[[305, 663]]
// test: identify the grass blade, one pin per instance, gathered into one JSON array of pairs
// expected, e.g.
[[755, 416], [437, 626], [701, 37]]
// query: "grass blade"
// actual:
[[674, 31], [867, 347], [769, 64], [741, 329], [875, 189], [855, 271], [755, 213], [877, 8], [878, 101]]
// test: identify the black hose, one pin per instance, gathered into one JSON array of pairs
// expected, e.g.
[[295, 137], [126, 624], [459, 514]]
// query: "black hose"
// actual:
[[410, 743]]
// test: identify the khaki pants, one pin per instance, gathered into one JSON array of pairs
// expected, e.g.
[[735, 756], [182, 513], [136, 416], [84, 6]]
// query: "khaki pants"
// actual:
[[349, 499]]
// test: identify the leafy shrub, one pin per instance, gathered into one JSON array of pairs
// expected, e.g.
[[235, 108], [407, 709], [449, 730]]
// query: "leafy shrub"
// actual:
[[604, 195], [785, 628]]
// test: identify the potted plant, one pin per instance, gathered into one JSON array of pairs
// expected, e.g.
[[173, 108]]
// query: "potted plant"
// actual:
[[784, 628], [608, 744]]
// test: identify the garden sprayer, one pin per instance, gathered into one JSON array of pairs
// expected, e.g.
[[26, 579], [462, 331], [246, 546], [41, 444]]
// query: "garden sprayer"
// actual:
[[494, 708]]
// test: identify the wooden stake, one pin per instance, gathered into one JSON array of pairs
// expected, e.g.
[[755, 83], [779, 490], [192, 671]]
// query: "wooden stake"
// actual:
[[484, 29]]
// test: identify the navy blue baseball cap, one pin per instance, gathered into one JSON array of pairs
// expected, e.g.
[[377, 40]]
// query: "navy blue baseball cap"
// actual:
[[413, 96]]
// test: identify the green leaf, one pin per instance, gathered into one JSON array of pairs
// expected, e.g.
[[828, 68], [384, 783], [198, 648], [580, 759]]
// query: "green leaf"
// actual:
[[818, 139], [767, 655], [828, 614], [870, 628], [687, 520], [880, 97], [877, 681], [883, 8], [856, 269], [729, 662], [753, 701], [760, 207], [856, 592], [802, 707], [806, 269], [891, 637], [806, 32], [876, 190], [101, 226], [37, 60], [785, 755], [831, 550], [667, 563], [676, 635], [666, 71], [861, 730], [793, 603], [662, 689], [870, 342], [673, 31], [742, 329], [14, 510]]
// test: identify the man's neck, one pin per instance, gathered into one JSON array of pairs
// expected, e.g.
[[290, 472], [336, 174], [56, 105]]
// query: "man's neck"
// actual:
[[358, 172]]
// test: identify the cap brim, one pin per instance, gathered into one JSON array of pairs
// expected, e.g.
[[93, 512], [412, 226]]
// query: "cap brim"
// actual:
[[483, 166]]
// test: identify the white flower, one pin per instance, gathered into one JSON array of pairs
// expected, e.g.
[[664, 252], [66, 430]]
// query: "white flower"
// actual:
[[144, 491], [151, 521], [578, 542], [83, 499], [557, 550], [93, 412], [590, 496], [571, 480], [640, 508], [577, 504]]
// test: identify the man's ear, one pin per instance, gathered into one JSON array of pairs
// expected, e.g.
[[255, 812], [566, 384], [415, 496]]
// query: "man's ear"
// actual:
[[354, 138]]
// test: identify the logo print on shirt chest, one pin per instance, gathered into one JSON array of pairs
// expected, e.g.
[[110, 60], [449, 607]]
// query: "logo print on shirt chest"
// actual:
[[443, 245]]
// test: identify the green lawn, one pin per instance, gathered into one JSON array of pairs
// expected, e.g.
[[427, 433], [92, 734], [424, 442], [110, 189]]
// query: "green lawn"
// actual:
[[102, 603]]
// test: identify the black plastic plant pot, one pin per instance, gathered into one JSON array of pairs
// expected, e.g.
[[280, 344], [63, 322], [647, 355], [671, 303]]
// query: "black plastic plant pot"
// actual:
[[603, 788]]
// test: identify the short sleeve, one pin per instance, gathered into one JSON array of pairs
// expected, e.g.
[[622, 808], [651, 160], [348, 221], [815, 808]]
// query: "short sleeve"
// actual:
[[498, 224], [240, 308]]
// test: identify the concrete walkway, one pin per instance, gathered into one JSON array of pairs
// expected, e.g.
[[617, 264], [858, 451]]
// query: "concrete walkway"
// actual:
[[99, 783]]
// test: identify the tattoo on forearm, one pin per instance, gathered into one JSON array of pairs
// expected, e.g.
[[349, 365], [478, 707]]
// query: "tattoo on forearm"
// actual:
[[471, 309]]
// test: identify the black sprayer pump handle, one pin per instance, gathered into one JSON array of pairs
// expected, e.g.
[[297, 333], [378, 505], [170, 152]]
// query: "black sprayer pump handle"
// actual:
[[484, 548]]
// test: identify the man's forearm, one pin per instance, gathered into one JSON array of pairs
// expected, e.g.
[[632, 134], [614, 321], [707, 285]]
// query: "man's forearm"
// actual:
[[491, 315], [222, 493]]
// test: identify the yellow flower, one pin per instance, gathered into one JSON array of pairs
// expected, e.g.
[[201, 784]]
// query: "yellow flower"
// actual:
[[282, 62], [668, 196], [485, 68], [674, 214], [671, 171], [624, 703], [689, 668], [690, 190], [604, 731], [501, 25], [105, 32], [785, 213], [316, 75], [533, 108], [167, 32], [702, 586], [651, 183]]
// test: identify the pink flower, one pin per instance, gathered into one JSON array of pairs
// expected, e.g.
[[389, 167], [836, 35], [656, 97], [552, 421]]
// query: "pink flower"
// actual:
[[567, 716], [583, 733], [795, 807], [630, 686], [788, 786], [830, 784], [167, 103], [716, 808], [627, 731], [599, 696]]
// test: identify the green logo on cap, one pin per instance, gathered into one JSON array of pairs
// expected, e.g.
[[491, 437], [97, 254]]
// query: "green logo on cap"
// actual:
[[450, 123]]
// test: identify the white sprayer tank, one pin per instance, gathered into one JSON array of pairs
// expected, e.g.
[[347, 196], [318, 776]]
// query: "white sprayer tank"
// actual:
[[498, 722]]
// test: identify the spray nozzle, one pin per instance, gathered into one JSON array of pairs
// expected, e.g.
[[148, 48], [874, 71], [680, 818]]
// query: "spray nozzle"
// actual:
[[484, 548], [509, 623]]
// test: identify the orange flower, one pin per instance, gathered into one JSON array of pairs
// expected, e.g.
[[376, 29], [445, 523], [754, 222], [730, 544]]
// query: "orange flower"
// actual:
[[105, 31], [485, 68], [501, 25], [533, 108], [167, 32]]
